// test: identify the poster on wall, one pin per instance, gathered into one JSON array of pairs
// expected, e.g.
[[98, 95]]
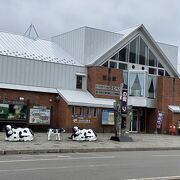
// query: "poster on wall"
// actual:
[[39, 116], [107, 117], [13, 111]]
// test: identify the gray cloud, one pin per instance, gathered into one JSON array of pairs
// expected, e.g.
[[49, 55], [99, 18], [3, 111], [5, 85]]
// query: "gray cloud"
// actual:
[[52, 17]]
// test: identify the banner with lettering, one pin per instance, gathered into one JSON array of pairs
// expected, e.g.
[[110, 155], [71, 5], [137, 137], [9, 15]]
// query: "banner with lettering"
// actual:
[[160, 118], [124, 99]]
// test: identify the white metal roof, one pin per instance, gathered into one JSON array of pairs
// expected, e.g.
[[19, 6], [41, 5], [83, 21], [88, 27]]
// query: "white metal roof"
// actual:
[[84, 98], [27, 88], [38, 49], [175, 109], [129, 30]]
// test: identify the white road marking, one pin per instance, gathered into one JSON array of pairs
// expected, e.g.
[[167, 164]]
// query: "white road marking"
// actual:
[[60, 167], [57, 159], [157, 178], [166, 155]]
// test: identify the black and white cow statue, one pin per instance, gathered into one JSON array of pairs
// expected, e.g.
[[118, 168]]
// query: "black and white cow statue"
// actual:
[[18, 134], [56, 133], [83, 134]]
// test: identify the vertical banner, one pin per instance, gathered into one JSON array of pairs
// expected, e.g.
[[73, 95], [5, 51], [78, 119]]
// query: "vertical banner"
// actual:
[[124, 98], [160, 118]]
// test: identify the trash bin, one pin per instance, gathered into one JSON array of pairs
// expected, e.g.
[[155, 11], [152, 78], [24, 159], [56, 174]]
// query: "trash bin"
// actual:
[[172, 128]]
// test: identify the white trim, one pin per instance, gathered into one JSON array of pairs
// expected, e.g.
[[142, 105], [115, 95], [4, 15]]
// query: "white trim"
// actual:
[[27, 88], [80, 74]]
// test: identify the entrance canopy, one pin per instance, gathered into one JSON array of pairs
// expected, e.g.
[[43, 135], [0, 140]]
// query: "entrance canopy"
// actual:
[[84, 98], [175, 109]]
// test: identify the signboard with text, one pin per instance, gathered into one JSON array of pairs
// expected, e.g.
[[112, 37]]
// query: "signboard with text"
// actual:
[[39, 116], [107, 117]]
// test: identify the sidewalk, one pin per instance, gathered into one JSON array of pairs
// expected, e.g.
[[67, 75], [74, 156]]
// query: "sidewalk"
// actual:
[[40, 144]]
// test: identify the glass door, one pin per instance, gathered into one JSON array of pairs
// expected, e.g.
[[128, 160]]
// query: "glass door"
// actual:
[[134, 122]]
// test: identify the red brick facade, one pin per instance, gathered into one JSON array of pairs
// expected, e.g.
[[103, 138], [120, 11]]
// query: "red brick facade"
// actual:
[[62, 114], [168, 94], [111, 77], [31, 99]]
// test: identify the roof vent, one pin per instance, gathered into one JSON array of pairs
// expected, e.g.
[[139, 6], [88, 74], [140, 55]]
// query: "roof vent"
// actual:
[[31, 32]]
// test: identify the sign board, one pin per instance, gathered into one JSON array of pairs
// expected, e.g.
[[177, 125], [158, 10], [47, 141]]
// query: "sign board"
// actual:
[[160, 118], [107, 117], [124, 99], [39, 116], [13, 111]]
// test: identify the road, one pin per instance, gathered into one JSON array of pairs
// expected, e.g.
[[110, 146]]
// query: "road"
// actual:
[[92, 166]]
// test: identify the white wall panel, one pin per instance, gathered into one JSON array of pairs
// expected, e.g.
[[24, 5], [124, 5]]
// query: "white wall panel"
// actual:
[[85, 43], [73, 43], [38, 73]]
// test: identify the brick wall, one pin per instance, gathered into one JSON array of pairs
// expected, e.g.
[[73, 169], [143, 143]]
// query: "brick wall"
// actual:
[[168, 94], [32, 98], [95, 76]]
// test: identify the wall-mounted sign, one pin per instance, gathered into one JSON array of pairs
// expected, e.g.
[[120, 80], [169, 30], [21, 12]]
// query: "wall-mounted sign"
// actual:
[[39, 116], [13, 111], [83, 119], [107, 90], [107, 117]]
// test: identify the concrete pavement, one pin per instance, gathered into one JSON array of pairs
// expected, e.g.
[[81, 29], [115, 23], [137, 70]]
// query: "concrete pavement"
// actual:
[[40, 144]]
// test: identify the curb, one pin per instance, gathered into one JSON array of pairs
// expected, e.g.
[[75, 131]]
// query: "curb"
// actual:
[[38, 151]]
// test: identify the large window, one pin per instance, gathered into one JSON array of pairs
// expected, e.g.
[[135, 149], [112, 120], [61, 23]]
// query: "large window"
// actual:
[[113, 64], [115, 57], [133, 51], [138, 52], [122, 66], [152, 59], [136, 84], [123, 54], [143, 52], [151, 86]]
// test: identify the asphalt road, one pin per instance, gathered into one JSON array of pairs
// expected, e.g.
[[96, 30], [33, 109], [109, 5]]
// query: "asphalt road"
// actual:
[[92, 166]]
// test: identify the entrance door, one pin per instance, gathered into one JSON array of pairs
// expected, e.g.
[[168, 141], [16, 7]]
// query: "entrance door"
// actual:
[[134, 122], [138, 120]]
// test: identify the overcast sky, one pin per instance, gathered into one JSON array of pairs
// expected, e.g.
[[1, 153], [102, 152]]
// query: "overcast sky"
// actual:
[[52, 17]]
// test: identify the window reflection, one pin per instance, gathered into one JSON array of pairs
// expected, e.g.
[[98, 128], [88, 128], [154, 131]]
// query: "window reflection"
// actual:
[[151, 86], [123, 54], [152, 59], [137, 52], [133, 51], [143, 52], [136, 84]]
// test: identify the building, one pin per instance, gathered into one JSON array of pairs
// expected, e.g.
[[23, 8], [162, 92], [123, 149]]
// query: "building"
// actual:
[[73, 79]]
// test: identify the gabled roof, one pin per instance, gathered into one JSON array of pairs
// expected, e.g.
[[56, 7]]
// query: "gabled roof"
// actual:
[[123, 40], [37, 49], [84, 98], [85, 43]]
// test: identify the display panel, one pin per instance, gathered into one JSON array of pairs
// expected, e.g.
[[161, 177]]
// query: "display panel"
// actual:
[[107, 117], [13, 112], [39, 116]]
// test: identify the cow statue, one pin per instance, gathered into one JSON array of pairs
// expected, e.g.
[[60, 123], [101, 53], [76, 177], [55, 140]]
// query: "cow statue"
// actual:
[[18, 134], [83, 134], [56, 133]]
